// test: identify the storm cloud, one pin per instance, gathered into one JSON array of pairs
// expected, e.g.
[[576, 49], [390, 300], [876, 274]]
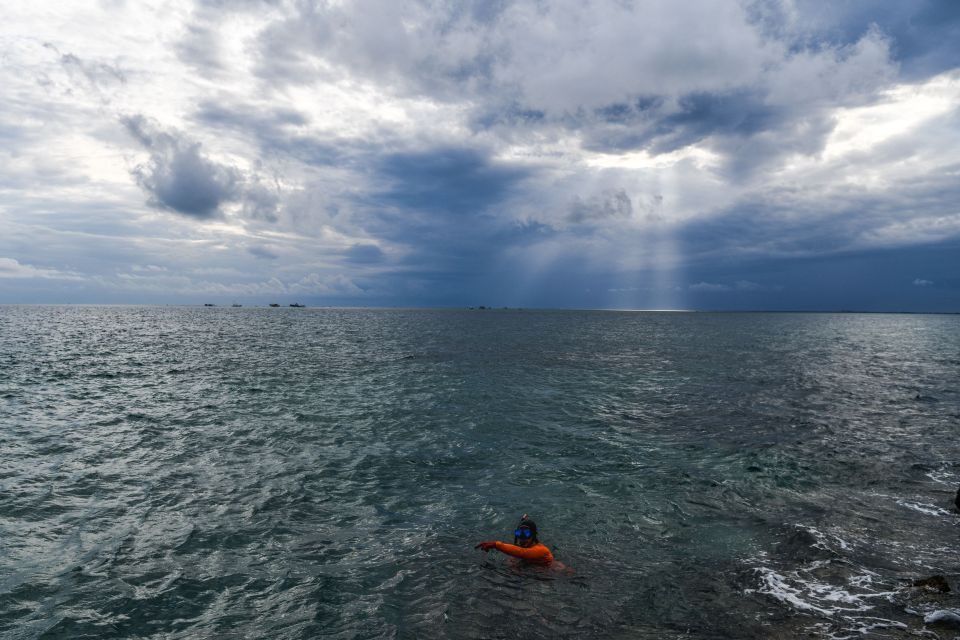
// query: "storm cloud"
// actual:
[[564, 153], [452, 180], [177, 176]]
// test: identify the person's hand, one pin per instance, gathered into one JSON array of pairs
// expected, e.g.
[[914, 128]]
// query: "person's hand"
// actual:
[[486, 546]]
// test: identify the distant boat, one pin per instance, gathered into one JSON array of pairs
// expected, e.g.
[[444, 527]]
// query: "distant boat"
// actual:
[[209, 304], [298, 305], [274, 304], [236, 305]]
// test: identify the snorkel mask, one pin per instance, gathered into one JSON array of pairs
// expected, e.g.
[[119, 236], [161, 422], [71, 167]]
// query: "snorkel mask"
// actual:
[[526, 530]]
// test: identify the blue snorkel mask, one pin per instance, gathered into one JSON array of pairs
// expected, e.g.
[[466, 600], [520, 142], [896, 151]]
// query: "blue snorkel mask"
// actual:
[[526, 530]]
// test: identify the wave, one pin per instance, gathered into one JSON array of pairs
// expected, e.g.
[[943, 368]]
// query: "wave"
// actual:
[[802, 591], [928, 509]]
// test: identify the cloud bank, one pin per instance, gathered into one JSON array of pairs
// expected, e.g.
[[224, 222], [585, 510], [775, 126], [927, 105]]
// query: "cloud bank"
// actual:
[[741, 154]]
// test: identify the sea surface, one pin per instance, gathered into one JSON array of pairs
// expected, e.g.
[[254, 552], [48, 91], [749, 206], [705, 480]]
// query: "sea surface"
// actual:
[[184, 472]]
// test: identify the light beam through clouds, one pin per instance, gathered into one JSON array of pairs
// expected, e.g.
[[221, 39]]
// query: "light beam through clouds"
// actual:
[[775, 154]]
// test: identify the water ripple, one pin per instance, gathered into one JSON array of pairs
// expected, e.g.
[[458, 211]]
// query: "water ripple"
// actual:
[[296, 473]]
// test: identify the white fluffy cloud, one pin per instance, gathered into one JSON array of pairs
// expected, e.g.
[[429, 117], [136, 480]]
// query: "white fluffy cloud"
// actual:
[[11, 268]]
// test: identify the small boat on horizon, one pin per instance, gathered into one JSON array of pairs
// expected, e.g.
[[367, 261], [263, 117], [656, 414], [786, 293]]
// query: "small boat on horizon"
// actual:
[[297, 305], [274, 304]]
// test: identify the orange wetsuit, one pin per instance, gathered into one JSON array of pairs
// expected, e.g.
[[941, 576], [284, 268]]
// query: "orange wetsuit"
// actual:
[[537, 553]]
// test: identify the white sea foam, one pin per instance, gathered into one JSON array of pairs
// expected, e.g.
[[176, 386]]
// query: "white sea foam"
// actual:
[[844, 596], [864, 580], [826, 541], [859, 628], [942, 615], [777, 586], [922, 507], [805, 593], [942, 476]]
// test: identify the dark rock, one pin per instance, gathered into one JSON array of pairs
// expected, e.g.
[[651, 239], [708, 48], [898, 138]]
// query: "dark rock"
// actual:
[[801, 545], [943, 617], [937, 583]]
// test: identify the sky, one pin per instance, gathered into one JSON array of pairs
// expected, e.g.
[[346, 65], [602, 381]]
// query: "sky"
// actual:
[[632, 154]]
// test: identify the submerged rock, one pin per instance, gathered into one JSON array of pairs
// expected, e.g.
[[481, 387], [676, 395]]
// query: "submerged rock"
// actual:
[[939, 583], [944, 617], [802, 545]]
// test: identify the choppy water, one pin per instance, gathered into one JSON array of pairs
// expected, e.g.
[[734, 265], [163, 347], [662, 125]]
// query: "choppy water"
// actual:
[[305, 473]]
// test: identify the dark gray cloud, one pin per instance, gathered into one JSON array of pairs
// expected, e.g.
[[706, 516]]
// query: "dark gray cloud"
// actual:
[[364, 254], [923, 33], [440, 208], [177, 176], [261, 202], [447, 180], [610, 204], [277, 131], [506, 118], [649, 123], [790, 223], [262, 252], [740, 113], [873, 280], [249, 117]]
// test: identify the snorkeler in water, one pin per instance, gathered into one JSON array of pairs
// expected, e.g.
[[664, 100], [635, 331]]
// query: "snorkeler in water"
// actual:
[[526, 545]]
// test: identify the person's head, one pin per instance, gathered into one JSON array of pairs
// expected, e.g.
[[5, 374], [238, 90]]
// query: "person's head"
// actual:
[[525, 534]]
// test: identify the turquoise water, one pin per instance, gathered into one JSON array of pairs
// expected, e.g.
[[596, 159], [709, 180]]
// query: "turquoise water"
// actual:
[[305, 473]]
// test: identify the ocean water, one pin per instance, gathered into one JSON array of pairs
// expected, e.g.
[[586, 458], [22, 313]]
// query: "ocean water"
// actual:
[[325, 473]]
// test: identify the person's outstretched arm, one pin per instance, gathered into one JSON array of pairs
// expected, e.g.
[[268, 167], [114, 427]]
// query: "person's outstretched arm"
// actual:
[[538, 553]]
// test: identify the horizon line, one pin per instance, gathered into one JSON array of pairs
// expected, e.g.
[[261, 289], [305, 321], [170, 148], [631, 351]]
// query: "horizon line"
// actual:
[[467, 308]]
